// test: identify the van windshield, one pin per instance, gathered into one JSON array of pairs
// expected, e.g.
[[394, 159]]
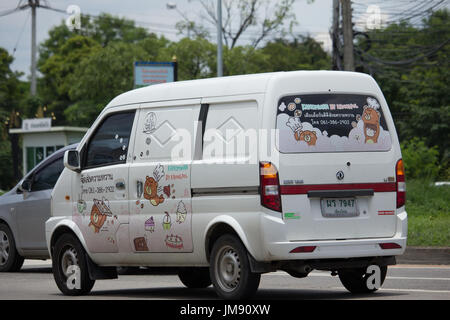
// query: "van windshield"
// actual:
[[331, 123]]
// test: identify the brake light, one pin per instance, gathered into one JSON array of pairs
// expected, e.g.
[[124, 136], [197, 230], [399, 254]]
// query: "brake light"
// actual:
[[401, 184], [390, 245], [270, 186]]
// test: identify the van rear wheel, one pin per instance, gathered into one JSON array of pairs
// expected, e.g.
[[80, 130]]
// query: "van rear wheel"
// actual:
[[230, 269], [357, 280], [195, 278], [70, 268]]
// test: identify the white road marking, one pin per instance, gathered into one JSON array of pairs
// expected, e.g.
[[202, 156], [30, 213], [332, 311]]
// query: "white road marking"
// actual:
[[317, 274], [404, 290]]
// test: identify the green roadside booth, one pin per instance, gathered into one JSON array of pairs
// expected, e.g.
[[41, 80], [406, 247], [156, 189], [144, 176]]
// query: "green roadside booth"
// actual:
[[40, 139]]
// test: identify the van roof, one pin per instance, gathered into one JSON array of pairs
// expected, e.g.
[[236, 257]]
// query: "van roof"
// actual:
[[223, 86]]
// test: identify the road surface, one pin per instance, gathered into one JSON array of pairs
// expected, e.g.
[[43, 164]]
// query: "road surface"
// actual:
[[35, 281]]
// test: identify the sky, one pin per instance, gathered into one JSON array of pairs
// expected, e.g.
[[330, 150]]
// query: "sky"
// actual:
[[15, 29]]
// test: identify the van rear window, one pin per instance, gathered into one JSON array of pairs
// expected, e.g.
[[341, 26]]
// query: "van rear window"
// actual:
[[331, 123]]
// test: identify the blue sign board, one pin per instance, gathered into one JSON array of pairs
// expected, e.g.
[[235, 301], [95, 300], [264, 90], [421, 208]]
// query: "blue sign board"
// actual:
[[148, 73]]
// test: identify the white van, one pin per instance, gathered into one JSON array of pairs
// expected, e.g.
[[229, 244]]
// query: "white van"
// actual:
[[232, 177]]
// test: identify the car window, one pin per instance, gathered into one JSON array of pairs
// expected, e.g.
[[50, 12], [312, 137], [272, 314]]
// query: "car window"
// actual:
[[46, 177], [109, 145], [331, 123]]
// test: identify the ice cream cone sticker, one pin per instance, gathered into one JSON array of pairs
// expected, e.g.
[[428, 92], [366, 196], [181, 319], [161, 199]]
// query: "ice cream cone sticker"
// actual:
[[150, 225], [181, 212], [99, 212], [167, 221]]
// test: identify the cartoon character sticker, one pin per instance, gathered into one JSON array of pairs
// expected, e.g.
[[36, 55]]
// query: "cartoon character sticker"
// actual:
[[151, 188], [174, 241], [310, 137], [150, 123], [371, 118], [99, 213]]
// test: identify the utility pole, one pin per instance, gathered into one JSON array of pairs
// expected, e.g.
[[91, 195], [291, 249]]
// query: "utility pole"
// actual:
[[347, 28], [219, 39], [335, 36], [33, 4]]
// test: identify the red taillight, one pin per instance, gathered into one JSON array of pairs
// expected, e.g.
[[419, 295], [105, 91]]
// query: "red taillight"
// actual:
[[390, 245], [270, 186], [303, 249], [401, 184]]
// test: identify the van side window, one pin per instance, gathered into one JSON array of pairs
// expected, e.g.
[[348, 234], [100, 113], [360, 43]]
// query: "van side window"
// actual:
[[230, 131], [109, 144], [46, 177], [165, 133]]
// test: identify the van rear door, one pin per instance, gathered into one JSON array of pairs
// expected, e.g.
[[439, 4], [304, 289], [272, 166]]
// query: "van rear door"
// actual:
[[336, 167]]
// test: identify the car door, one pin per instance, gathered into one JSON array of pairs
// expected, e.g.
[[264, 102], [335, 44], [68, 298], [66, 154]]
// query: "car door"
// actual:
[[34, 209], [101, 188], [160, 179]]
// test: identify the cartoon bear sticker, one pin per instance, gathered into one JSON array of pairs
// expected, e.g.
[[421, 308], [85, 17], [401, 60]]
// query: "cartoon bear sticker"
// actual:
[[371, 120], [151, 188], [99, 213], [151, 191], [309, 137]]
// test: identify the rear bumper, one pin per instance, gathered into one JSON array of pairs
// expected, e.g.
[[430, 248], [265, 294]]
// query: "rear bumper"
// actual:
[[279, 248]]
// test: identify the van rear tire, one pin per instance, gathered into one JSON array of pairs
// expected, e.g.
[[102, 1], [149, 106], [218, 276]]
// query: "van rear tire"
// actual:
[[195, 278], [68, 252], [356, 280], [230, 269]]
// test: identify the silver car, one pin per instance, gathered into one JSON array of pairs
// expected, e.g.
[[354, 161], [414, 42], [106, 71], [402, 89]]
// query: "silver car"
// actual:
[[23, 212]]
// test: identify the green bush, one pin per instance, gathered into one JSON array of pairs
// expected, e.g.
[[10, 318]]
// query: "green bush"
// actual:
[[421, 162]]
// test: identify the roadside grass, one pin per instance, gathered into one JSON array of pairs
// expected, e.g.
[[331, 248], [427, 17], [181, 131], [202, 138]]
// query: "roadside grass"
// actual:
[[428, 209]]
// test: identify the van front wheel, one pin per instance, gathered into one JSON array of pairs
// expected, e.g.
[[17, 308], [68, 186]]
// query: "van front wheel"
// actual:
[[70, 268], [360, 281], [230, 269]]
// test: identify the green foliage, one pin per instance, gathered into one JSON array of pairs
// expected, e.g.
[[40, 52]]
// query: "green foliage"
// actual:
[[428, 213], [300, 54], [99, 78], [420, 161], [195, 57], [417, 90], [6, 174], [11, 93]]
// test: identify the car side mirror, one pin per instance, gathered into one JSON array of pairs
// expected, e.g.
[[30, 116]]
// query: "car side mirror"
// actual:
[[25, 186], [72, 160]]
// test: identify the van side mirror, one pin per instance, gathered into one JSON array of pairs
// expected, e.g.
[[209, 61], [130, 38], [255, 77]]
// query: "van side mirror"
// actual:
[[25, 186], [72, 160]]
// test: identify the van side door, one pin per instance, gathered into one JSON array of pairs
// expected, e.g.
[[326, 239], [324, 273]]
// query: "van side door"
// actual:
[[101, 189], [160, 177]]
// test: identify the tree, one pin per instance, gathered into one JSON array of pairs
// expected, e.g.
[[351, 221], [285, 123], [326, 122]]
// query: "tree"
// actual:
[[11, 92], [300, 54], [61, 56], [240, 15], [196, 58], [58, 72], [411, 65], [99, 78]]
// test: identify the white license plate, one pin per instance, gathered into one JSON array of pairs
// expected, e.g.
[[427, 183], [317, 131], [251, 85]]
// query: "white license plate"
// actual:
[[339, 207]]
